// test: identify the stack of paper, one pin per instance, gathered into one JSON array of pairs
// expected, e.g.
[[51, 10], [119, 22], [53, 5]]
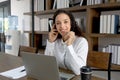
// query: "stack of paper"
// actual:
[[15, 73]]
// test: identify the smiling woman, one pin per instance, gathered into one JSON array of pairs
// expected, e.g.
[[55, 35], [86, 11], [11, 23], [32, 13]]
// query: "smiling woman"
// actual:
[[66, 42]]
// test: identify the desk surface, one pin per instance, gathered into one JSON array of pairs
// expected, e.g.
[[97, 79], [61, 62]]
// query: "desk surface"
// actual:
[[8, 62]]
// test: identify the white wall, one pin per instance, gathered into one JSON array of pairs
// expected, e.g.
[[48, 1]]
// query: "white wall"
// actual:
[[18, 7], [3, 0]]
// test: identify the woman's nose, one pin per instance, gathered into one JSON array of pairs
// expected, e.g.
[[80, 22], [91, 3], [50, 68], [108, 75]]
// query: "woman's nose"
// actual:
[[62, 25]]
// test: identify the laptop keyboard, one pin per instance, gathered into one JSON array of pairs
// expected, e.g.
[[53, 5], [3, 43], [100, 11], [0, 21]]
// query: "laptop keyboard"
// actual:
[[63, 78]]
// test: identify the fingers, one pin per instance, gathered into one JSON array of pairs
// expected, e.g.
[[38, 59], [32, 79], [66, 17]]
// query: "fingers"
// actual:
[[53, 34], [68, 35], [54, 30], [69, 38], [54, 26]]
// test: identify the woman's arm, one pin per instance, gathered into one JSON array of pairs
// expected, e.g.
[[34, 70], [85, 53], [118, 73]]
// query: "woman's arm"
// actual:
[[49, 48], [52, 36], [77, 55]]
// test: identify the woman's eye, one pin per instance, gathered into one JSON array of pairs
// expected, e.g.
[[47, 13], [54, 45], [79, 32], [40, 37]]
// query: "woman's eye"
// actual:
[[57, 23], [66, 22]]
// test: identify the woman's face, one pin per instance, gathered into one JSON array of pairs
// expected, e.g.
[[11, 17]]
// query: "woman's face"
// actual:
[[63, 25]]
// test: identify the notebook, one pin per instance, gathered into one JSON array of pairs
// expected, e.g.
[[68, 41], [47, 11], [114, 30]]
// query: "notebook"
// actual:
[[42, 67]]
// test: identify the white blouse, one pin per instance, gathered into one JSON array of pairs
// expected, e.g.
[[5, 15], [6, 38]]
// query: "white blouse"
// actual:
[[72, 57]]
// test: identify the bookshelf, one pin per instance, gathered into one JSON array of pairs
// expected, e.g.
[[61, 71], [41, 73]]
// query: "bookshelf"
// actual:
[[92, 24]]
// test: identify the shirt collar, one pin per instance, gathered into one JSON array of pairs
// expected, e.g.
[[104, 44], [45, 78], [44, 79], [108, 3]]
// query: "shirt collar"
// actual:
[[63, 42]]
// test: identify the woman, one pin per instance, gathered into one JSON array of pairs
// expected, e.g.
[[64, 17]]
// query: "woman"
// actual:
[[66, 42]]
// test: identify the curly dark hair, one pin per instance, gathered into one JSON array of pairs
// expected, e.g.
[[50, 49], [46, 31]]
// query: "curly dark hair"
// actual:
[[74, 26]]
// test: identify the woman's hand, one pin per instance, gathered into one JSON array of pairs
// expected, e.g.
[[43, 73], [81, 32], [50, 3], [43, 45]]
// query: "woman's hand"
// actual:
[[53, 34], [69, 38]]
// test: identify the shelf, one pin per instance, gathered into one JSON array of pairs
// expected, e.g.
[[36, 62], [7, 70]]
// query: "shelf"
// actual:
[[102, 7], [72, 9], [107, 6], [105, 35], [37, 32], [115, 67], [29, 13]]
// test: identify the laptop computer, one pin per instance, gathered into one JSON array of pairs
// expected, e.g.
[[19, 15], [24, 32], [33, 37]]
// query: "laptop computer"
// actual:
[[41, 67]]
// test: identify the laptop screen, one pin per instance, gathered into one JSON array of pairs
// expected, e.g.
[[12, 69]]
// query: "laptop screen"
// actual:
[[41, 67]]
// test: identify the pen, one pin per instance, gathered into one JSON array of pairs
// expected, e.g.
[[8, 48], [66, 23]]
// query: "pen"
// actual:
[[22, 70]]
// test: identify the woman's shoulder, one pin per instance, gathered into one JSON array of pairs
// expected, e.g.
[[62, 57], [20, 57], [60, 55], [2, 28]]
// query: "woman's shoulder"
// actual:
[[81, 39]]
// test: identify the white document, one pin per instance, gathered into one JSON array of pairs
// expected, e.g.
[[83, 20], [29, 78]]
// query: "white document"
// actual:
[[15, 73]]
